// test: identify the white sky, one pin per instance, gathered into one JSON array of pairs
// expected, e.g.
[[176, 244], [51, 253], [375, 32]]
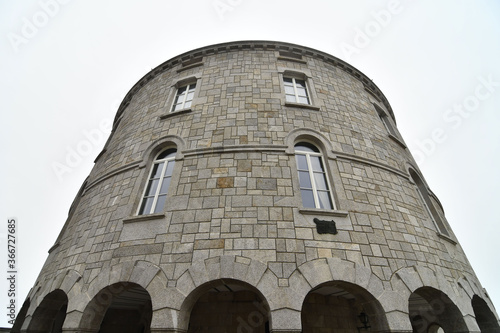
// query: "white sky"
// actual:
[[65, 67]]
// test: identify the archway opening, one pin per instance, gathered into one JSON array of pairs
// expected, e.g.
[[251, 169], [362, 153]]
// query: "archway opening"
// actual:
[[50, 314], [120, 308], [21, 316], [431, 310], [227, 306], [485, 318], [341, 306]]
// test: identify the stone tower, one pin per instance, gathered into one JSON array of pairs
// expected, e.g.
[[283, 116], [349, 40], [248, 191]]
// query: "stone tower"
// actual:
[[256, 187]]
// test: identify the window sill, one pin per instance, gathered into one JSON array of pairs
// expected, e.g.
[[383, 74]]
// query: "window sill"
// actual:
[[446, 238], [141, 218], [175, 113], [323, 212], [399, 142], [302, 106]]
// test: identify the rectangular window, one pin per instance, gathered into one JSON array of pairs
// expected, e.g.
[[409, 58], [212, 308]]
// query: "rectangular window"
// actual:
[[184, 97], [296, 90]]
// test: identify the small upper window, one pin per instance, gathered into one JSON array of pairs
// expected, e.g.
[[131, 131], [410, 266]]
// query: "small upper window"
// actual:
[[155, 195], [184, 97], [314, 185], [296, 90]]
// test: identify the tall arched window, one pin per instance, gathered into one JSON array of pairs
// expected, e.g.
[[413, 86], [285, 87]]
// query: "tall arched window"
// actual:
[[314, 184], [155, 194], [424, 195]]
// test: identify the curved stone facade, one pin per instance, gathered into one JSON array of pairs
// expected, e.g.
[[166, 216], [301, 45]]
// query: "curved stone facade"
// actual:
[[244, 241]]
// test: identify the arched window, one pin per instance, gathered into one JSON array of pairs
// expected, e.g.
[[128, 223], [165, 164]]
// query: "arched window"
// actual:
[[314, 184], [155, 194], [424, 195]]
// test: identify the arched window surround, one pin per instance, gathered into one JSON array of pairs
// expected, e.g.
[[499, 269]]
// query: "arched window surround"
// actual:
[[154, 197], [149, 158], [425, 195], [315, 186], [318, 140]]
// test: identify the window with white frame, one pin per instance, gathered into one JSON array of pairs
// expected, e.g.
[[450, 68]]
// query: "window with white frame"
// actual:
[[155, 194], [314, 185], [296, 90], [184, 97]]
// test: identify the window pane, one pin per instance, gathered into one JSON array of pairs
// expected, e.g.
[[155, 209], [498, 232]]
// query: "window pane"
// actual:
[[304, 179], [307, 198], [303, 100], [166, 154], [156, 173], [170, 168], [301, 162], [324, 200], [291, 98], [146, 206], [187, 104], [177, 106], [300, 84], [160, 204], [320, 181], [151, 189], [304, 146], [288, 81], [301, 91], [181, 91], [164, 185], [289, 90], [316, 163]]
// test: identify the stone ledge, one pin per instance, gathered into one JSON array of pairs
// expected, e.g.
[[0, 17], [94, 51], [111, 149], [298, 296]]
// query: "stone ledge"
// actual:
[[140, 218], [323, 212], [302, 106], [175, 113]]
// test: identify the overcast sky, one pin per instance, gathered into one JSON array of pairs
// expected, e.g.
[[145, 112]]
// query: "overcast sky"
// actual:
[[66, 65]]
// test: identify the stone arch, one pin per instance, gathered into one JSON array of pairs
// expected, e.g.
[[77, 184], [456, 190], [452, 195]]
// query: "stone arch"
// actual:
[[21, 316], [316, 274], [485, 318], [140, 273], [50, 314], [339, 305], [162, 144], [202, 274], [226, 305], [429, 307], [311, 135], [64, 282], [409, 279], [119, 307], [434, 289]]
